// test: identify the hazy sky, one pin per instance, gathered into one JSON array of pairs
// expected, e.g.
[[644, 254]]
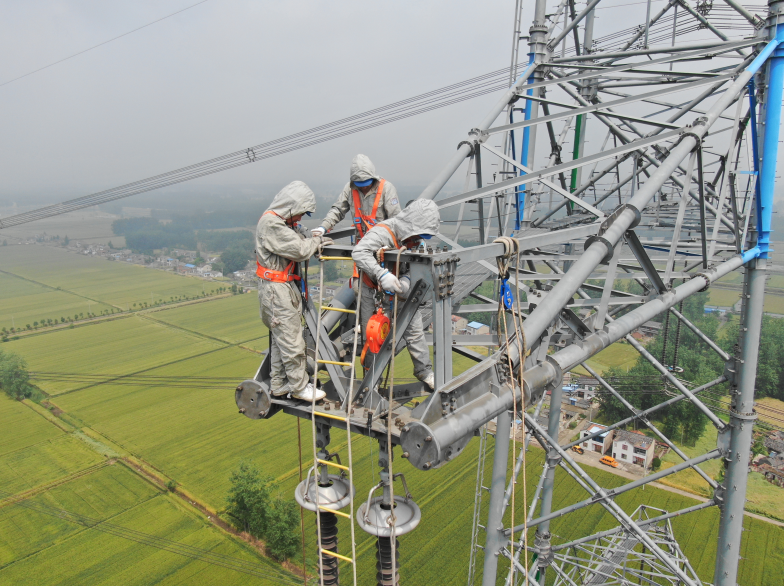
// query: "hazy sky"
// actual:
[[229, 74]]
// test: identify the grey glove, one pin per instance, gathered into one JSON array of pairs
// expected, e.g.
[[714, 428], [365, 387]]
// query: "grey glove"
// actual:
[[405, 286], [389, 283], [326, 241], [317, 232]]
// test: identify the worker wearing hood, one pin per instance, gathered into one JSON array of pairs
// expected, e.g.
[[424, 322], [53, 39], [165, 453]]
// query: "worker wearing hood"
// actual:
[[280, 244], [376, 196], [420, 220]]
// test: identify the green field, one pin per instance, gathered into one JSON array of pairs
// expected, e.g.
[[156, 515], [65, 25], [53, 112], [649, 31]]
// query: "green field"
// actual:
[[193, 434], [118, 347], [40, 548], [114, 283]]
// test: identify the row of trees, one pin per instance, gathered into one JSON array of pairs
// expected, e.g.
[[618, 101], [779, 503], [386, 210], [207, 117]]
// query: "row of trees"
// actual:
[[14, 378], [256, 507]]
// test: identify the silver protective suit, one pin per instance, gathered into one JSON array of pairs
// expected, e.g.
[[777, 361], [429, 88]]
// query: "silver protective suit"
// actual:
[[277, 245], [362, 169], [420, 217]]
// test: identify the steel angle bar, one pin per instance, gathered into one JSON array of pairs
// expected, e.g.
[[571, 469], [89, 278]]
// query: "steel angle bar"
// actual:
[[720, 425], [465, 148], [753, 19], [730, 46], [601, 495], [700, 334], [650, 426], [536, 175], [604, 496], [641, 415], [645, 262], [586, 206], [676, 234], [574, 22], [649, 23], [603, 105]]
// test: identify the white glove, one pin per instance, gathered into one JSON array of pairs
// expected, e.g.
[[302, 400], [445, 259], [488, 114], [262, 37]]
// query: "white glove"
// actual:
[[389, 283], [405, 286], [326, 241], [317, 232]]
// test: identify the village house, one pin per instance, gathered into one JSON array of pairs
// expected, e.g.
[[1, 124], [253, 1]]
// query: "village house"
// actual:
[[476, 328], [601, 443], [458, 324], [634, 447]]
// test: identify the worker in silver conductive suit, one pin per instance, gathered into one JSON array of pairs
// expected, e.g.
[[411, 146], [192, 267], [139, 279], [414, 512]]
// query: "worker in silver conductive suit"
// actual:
[[280, 244], [420, 220]]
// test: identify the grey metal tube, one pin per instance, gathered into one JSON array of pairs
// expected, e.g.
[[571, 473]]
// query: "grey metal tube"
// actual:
[[343, 299], [742, 418], [495, 523], [573, 23], [464, 150], [740, 9]]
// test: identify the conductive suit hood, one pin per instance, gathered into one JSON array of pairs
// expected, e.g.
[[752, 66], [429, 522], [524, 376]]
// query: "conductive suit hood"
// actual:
[[362, 169], [295, 199], [421, 216]]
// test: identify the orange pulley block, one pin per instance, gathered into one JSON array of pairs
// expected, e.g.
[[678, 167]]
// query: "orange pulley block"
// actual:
[[375, 333]]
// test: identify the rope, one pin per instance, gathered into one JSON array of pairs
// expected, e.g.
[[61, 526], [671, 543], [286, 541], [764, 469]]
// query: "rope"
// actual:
[[512, 245], [301, 510], [319, 556]]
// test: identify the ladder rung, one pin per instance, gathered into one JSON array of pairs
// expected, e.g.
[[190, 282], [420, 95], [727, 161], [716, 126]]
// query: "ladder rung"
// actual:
[[341, 513], [336, 555], [330, 416], [333, 362], [340, 309], [335, 257], [328, 463]]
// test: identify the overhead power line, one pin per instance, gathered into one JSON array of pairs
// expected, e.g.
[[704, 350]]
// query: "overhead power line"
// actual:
[[439, 98], [82, 52]]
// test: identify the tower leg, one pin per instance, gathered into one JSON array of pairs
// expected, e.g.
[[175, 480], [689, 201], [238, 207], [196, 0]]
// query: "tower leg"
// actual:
[[495, 531]]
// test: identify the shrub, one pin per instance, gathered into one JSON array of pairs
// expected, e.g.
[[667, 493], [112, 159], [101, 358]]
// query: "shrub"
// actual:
[[656, 463]]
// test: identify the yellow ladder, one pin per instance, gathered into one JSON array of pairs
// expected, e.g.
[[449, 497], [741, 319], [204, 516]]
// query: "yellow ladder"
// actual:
[[345, 417]]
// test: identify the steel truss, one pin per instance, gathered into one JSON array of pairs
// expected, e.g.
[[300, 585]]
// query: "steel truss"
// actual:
[[673, 191]]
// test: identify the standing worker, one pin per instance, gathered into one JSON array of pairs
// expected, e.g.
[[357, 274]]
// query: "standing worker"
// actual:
[[280, 244], [420, 220], [369, 197]]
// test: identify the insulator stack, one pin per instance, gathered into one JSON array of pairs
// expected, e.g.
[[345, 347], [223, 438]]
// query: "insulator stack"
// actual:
[[329, 541], [384, 572]]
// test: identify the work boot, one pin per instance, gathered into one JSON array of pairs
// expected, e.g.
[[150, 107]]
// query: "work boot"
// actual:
[[306, 394], [281, 391], [430, 380]]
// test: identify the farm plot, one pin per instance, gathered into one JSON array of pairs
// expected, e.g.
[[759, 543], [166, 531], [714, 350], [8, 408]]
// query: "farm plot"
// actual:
[[28, 427], [234, 319], [39, 548], [23, 302], [117, 347], [114, 283]]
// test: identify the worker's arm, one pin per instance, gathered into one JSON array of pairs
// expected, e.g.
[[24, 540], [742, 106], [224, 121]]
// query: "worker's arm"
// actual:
[[364, 254], [283, 241], [339, 209]]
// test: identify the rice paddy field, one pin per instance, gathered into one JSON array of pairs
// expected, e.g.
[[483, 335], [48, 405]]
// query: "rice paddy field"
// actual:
[[192, 433]]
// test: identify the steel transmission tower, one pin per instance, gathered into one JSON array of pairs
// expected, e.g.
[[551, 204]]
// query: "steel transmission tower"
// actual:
[[641, 155]]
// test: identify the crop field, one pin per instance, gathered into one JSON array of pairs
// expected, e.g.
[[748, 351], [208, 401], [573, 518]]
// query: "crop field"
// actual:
[[118, 347], [115, 283], [620, 355], [234, 319], [39, 548], [84, 225], [27, 430], [23, 302]]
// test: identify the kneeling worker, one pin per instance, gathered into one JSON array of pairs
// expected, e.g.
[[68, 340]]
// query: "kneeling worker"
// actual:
[[279, 245], [419, 220]]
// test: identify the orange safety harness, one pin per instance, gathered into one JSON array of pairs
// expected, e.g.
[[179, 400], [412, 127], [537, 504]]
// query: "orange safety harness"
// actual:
[[359, 217], [283, 276], [365, 278]]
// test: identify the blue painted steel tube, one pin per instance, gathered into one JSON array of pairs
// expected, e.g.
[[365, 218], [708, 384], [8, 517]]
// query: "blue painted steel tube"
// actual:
[[770, 145], [524, 152]]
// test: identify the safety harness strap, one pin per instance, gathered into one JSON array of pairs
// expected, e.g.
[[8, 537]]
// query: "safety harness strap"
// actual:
[[266, 274], [359, 217]]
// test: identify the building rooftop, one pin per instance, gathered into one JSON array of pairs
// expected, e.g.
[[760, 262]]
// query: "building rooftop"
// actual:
[[633, 437], [597, 427], [476, 325]]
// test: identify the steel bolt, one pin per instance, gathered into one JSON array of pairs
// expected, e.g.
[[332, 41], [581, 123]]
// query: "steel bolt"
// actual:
[[242, 410], [239, 388], [429, 438], [405, 454]]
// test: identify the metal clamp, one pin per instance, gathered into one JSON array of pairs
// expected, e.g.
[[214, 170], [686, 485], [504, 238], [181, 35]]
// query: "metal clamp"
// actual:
[[470, 145]]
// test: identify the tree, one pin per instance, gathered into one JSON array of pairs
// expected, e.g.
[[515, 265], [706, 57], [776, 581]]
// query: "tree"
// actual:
[[331, 271], [234, 259], [282, 529], [656, 463], [14, 378], [66, 240], [111, 246], [248, 501]]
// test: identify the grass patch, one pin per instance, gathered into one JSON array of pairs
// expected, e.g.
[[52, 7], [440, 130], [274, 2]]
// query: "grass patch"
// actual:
[[21, 427]]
